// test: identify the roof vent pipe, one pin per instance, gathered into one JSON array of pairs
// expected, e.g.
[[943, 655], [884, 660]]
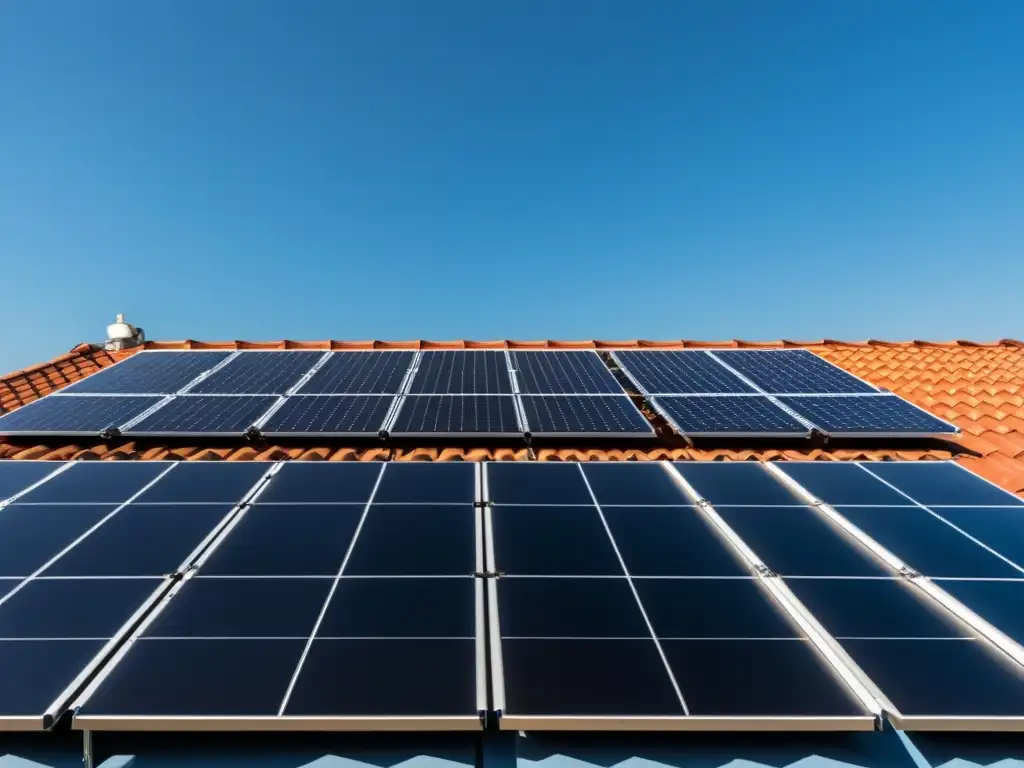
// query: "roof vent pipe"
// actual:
[[122, 335]]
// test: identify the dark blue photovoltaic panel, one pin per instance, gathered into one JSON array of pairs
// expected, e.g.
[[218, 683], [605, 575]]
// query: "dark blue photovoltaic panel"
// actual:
[[586, 414], [457, 414], [359, 373], [259, 373], [563, 373], [320, 414], [791, 371], [458, 372], [188, 414], [16, 476], [842, 482], [97, 482], [72, 415], [851, 415], [731, 416], [149, 373], [927, 544], [945, 483], [997, 602], [677, 372]]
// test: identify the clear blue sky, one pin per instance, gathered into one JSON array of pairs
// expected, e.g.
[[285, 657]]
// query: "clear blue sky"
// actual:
[[510, 169]]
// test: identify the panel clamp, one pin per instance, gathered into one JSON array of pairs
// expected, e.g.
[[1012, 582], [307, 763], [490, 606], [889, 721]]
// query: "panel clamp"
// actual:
[[110, 433], [763, 570], [488, 574], [906, 572], [482, 504], [253, 434]]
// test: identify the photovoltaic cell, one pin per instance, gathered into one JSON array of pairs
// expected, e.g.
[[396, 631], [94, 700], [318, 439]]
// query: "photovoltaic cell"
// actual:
[[837, 482], [457, 414], [258, 373], [541, 483], [1000, 528], [97, 482], [322, 482], [418, 540], [633, 484], [16, 476], [318, 414], [37, 671], [851, 415], [552, 541], [729, 416], [196, 482], [941, 484], [395, 608], [927, 544], [33, 534], [427, 483], [677, 372], [74, 415], [459, 372], [669, 541], [590, 414], [359, 373], [710, 608], [732, 483], [891, 608], [204, 414], [791, 371], [149, 373], [563, 373], [796, 541]]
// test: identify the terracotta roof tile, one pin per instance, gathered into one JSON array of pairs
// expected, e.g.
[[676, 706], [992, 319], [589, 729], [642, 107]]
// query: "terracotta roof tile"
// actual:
[[980, 387]]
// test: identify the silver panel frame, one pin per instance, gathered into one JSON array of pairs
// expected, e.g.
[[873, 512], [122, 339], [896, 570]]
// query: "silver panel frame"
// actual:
[[649, 432], [285, 398], [402, 399]]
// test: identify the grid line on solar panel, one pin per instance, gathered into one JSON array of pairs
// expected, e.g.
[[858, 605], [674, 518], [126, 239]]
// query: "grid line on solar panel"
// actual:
[[734, 416], [330, 414], [680, 372], [204, 414], [258, 373], [18, 477], [457, 414], [563, 373], [79, 414], [149, 372], [859, 414], [360, 373], [461, 372], [791, 371], [584, 415]]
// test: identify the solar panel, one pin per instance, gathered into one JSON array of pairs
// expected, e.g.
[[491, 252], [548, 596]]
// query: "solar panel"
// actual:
[[17, 476], [457, 415], [149, 373], [267, 636], [325, 415], [941, 483], [359, 373], [563, 373], [934, 663], [708, 416], [585, 638], [58, 621], [460, 372], [776, 393], [791, 371], [679, 372], [203, 414], [85, 415], [258, 373], [881, 415], [584, 415]]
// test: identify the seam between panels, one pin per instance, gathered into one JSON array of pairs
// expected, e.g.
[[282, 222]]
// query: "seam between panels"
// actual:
[[330, 594], [636, 595]]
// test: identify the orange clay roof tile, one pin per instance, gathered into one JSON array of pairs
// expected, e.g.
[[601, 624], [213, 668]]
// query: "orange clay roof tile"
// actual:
[[980, 387]]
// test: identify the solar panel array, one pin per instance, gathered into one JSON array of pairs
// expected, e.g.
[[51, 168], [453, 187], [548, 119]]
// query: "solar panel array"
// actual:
[[354, 393], [797, 596], [778, 393], [470, 393]]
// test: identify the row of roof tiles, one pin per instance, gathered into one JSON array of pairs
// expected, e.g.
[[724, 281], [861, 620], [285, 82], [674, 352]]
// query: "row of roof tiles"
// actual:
[[977, 386]]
